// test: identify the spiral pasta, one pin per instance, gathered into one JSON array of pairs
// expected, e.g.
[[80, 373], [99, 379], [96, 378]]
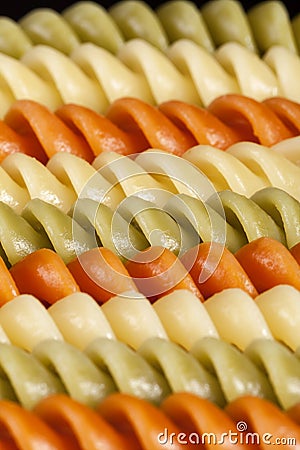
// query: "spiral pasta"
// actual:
[[125, 179], [46, 344], [122, 421], [151, 372], [169, 22], [184, 72], [177, 142]]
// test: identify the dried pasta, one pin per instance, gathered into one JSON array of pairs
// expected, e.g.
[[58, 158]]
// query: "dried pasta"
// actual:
[[128, 132], [184, 72], [167, 23]]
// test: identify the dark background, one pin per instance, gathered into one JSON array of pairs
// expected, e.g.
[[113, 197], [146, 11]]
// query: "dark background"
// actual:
[[17, 9]]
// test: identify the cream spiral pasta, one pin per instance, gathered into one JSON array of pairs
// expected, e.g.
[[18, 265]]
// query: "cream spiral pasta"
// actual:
[[46, 26], [58, 70], [183, 72], [79, 315], [28, 85]]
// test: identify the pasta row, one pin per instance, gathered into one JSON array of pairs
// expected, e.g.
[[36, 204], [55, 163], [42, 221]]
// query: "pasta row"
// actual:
[[130, 317], [171, 21], [177, 221], [265, 368], [124, 422], [94, 78], [248, 170], [132, 126], [204, 268]]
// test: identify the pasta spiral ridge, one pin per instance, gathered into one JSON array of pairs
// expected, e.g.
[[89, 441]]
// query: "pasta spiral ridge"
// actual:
[[93, 77], [132, 126], [154, 367], [171, 21], [123, 421]]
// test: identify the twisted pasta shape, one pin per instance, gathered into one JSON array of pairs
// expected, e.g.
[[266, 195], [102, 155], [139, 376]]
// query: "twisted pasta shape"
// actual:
[[245, 220], [269, 212], [132, 126], [80, 319], [79, 312], [151, 372], [122, 421], [171, 21], [185, 72], [61, 215]]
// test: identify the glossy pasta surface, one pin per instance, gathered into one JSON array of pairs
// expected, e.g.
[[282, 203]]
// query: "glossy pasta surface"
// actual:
[[150, 226]]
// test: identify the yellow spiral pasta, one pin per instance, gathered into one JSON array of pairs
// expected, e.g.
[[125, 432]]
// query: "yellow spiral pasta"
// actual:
[[46, 26], [92, 76], [62, 73], [133, 320], [18, 81]]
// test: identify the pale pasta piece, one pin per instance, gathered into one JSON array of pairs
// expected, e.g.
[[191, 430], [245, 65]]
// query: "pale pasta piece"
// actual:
[[27, 380], [92, 23], [181, 369], [39, 182], [68, 238], [271, 25], [286, 65], [113, 231], [180, 309], [282, 367], [237, 374], [182, 19], [24, 83], [58, 70], [133, 179], [203, 223], [237, 318], [12, 193], [13, 40], [6, 100], [166, 82], [26, 322], [48, 27], [83, 179], [159, 227], [82, 379], [254, 77], [224, 170], [80, 320], [269, 165], [208, 76], [17, 237], [175, 173], [290, 149], [133, 319], [190, 203], [280, 306], [136, 19], [227, 21], [131, 373], [4, 339], [245, 215], [284, 209], [295, 21], [114, 77]]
